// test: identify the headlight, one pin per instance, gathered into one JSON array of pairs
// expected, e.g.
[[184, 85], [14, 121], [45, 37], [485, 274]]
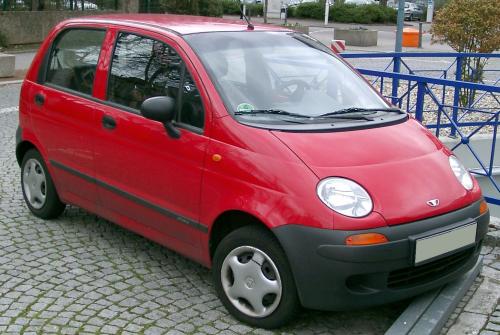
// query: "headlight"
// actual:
[[345, 197], [461, 173]]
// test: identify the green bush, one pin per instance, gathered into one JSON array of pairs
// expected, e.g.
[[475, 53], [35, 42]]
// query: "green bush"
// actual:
[[230, 7], [362, 14], [210, 8], [292, 11], [346, 13], [194, 7], [255, 9], [310, 10], [3, 41]]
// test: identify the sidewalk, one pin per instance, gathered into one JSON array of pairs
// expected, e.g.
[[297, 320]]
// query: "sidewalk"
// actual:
[[479, 310]]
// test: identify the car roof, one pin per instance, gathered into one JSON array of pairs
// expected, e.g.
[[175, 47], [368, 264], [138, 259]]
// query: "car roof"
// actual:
[[180, 24]]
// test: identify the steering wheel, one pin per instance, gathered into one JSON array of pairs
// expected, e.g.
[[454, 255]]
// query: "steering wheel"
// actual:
[[293, 89]]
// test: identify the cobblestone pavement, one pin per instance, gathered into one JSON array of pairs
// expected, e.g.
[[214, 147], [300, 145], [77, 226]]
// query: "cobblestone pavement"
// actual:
[[80, 274], [479, 310]]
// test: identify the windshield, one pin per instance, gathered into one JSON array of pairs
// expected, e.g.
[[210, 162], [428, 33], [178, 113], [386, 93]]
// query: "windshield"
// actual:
[[284, 74]]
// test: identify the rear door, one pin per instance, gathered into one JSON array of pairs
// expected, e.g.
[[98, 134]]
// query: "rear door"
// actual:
[[148, 180], [63, 112]]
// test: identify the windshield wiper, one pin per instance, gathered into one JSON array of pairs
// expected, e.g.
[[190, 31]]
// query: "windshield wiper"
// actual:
[[271, 112], [363, 111]]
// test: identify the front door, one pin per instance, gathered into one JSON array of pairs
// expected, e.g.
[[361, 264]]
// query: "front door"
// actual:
[[147, 180]]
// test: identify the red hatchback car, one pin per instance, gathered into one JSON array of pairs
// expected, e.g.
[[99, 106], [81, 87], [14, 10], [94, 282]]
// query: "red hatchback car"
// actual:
[[253, 151]]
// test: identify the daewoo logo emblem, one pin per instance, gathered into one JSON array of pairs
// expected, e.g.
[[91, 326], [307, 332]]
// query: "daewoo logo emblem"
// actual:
[[433, 202]]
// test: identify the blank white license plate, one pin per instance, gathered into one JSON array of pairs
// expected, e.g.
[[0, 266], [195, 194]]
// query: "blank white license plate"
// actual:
[[439, 244]]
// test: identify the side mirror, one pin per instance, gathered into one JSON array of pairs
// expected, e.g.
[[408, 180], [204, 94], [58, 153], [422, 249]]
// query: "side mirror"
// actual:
[[161, 109]]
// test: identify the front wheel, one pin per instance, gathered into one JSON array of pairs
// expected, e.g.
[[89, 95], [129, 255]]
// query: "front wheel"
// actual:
[[253, 279]]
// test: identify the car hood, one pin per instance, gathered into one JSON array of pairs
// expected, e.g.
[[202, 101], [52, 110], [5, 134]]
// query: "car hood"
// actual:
[[402, 167]]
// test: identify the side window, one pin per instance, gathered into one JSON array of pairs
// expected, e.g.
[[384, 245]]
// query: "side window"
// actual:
[[143, 68], [73, 59]]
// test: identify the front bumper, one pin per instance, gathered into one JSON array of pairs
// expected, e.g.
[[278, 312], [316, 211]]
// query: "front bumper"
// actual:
[[332, 276]]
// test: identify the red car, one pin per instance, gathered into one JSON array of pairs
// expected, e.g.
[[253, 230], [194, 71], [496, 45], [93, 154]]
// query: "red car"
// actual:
[[252, 150]]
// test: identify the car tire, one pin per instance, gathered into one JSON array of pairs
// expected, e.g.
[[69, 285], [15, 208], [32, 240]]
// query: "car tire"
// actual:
[[248, 263], [38, 189]]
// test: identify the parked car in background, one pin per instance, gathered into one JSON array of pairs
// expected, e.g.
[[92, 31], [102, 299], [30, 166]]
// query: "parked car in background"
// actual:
[[253, 150], [413, 11]]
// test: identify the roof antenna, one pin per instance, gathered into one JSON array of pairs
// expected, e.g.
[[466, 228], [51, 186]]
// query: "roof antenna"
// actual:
[[249, 24]]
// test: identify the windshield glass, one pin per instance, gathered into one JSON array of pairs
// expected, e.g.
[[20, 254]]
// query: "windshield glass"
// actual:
[[280, 71]]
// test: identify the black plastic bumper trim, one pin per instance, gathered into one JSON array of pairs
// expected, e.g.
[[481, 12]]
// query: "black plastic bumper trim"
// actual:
[[333, 276]]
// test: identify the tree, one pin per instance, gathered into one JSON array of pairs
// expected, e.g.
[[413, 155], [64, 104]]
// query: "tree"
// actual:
[[469, 26]]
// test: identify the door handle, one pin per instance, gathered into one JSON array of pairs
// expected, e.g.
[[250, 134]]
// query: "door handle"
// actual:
[[39, 99], [108, 122]]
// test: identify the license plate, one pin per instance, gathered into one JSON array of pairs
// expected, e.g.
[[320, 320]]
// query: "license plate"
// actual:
[[432, 246]]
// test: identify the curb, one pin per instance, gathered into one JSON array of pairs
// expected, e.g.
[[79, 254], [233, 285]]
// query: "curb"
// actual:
[[492, 238], [428, 313], [10, 82]]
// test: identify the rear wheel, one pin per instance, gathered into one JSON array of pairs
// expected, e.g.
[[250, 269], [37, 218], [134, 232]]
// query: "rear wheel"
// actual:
[[253, 279], [38, 189]]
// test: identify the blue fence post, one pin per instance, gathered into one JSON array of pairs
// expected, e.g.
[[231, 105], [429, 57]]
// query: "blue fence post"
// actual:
[[493, 145], [456, 96], [419, 106], [395, 81]]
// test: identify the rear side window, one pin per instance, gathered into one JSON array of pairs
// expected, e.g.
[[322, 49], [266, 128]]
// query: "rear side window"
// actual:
[[143, 68], [73, 59]]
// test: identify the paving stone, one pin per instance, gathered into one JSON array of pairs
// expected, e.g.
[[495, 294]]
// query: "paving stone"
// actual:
[[493, 327], [488, 332], [485, 298], [468, 324], [108, 329]]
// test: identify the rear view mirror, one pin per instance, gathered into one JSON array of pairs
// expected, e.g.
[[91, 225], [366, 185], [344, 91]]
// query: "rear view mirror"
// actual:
[[161, 109]]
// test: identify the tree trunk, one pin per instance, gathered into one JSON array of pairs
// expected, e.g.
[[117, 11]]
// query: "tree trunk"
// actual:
[[383, 3]]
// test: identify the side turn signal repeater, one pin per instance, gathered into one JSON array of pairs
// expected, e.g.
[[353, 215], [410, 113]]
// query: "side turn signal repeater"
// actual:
[[366, 239], [483, 207]]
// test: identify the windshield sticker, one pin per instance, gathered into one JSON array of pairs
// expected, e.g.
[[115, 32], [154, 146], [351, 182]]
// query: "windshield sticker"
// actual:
[[245, 107]]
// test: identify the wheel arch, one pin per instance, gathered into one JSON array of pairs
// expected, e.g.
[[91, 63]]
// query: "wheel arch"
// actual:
[[228, 222], [22, 148]]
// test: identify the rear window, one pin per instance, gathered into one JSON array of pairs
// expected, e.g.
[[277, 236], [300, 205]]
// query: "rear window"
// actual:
[[73, 59]]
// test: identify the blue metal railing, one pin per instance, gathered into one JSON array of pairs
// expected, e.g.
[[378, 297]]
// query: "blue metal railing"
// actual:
[[440, 95]]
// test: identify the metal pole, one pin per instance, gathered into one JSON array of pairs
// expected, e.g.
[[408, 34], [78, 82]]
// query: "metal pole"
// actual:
[[419, 107], [456, 96], [398, 48], [420, 32], [399, 31], [430, 10], [265, 11], [327, 10]]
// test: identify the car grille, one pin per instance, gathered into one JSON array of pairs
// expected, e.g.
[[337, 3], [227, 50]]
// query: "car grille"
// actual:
[[428, 272]]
